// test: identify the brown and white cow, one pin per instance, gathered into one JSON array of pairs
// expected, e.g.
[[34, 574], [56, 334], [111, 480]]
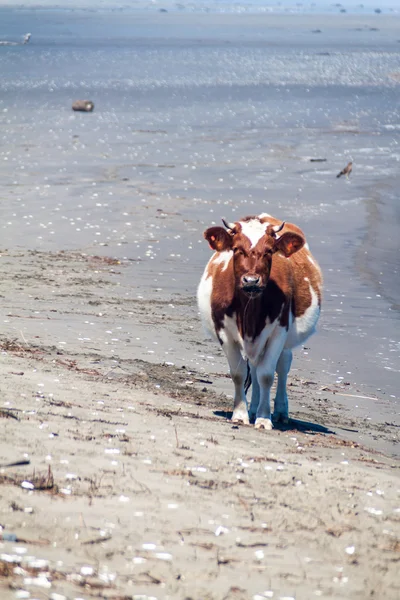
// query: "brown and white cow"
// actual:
[[260, 295]]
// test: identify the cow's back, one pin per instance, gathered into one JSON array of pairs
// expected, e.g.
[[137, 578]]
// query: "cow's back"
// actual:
[[307, 296], [300, 277], [306, 273]]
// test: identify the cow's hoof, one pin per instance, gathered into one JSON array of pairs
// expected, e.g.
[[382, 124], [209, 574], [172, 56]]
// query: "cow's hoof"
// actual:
[[280, 418], [241, 418], [262, 423]]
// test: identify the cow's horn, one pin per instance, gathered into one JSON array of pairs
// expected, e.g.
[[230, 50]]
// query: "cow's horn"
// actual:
[[230, 226], [278, 228]]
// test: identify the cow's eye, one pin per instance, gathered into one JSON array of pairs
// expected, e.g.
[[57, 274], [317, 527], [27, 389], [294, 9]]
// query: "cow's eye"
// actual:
[[268, 252], [237, 250]]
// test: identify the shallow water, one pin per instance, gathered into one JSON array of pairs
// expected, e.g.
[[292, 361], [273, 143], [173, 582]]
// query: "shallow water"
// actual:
[[203, 116]]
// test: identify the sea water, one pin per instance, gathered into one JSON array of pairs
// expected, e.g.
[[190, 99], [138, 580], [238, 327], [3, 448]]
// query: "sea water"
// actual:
[[208, 111]]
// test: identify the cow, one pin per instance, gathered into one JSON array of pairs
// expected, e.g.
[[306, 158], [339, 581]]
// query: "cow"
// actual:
[[259, 297]]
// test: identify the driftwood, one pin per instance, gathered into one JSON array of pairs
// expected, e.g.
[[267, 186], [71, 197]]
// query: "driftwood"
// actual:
[[83, 105]]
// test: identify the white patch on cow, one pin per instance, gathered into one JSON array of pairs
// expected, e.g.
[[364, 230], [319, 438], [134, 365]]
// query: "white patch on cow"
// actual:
[[306, 279], [306, 246], [250, 349], [253, 230], [254, 349], [222, 258], [230, 332], [311, 260], [204, 292], [265, 216], [304, 326]]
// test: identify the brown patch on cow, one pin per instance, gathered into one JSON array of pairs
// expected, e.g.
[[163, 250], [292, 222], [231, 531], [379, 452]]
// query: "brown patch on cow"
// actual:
[[302, 267], [289, 243], [223, 290], [218, 238], [306, 274]]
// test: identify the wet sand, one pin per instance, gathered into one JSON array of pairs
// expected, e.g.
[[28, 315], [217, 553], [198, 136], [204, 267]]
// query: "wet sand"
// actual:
[[142, 487]]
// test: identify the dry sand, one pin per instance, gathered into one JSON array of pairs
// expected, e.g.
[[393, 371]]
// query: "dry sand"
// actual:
[[143, 488]]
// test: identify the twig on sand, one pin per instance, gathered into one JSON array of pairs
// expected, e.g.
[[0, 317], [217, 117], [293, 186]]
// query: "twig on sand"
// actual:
[[356, 396], [147, 577], [252, 545], [18, 463], [98, 540], [12, 537], [176, 436], [7, 414], [23, 337]]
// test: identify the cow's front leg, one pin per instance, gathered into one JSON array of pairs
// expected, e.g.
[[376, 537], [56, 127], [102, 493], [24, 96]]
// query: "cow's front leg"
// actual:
[[265, 376], [238, 370], [281, 408], [263, 415]]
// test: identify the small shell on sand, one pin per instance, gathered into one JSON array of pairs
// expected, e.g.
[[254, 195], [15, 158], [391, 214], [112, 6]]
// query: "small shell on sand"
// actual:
[[83, 105]]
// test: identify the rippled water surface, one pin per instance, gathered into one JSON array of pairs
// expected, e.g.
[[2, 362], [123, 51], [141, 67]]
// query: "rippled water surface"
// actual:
[[199, 116]]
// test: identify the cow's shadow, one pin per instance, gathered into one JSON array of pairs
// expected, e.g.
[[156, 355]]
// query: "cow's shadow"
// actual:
[[292, 425]]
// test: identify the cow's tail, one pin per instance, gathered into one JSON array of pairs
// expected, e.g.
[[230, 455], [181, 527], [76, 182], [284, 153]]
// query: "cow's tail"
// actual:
[[247, 383]]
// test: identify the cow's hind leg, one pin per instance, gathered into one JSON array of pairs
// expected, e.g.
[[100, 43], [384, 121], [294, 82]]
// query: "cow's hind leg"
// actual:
[[281, 408], [238, 369], [255, 394]]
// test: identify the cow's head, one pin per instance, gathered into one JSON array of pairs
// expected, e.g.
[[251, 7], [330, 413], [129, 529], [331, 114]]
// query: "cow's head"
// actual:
[[253, 242]]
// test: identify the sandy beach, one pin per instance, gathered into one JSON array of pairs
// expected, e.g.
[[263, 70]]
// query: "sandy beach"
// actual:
[[121, 475], [141, 487]]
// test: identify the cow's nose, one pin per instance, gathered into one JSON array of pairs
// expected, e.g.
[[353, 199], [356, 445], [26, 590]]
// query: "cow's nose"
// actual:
[[250, 280]]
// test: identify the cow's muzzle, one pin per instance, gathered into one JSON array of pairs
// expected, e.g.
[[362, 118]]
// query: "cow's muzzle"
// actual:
[[252, 285]]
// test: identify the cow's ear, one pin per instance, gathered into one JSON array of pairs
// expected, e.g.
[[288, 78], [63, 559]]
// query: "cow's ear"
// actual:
[[218, 238], [289, 243]]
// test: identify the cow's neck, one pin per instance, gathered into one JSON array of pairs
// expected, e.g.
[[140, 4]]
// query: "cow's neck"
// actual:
[[251, 314]]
